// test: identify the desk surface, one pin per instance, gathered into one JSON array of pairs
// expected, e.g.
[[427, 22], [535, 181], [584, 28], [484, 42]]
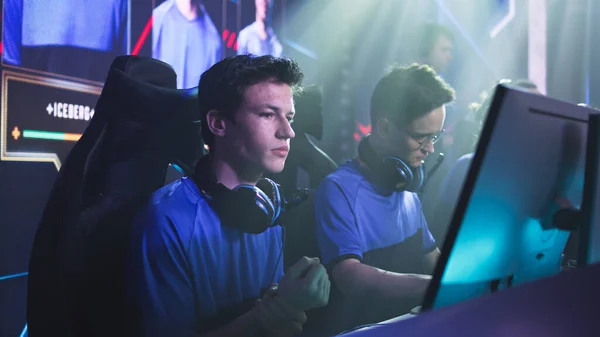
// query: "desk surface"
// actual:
[[564, 305]]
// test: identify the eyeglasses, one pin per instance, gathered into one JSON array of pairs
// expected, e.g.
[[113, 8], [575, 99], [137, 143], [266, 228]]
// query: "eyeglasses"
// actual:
[[425, 139]]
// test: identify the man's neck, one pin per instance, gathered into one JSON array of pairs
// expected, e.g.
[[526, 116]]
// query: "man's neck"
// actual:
[[227, 174], [187, 8]]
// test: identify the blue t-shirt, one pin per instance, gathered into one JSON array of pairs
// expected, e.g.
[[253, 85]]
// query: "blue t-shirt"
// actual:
[[384, 229], [189, 46], [188, 274]]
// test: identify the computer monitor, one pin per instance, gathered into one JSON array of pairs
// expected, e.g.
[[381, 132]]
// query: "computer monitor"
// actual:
[[589, 232], [531, 151]]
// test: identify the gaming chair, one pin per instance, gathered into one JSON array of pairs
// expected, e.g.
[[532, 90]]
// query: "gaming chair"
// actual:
[[141, 124]]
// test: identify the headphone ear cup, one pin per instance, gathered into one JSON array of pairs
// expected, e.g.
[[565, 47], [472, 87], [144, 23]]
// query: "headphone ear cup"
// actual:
[[274, 194], [249, 210], [398, 174], [246, 208], [418, 179]]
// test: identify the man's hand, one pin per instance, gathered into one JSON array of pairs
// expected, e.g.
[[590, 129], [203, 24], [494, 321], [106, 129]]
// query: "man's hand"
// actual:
[[279, 319], [305, 285]]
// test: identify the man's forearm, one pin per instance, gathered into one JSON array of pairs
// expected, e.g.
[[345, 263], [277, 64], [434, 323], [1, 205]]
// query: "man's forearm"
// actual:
[[402, 286], [364, 280], [431, 260]]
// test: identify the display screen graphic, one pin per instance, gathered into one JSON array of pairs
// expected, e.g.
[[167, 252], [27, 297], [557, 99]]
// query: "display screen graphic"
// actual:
[[258, 35], [42, 118]]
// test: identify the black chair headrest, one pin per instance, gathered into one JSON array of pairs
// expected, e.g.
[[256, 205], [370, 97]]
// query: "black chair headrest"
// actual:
[[168, 116], [147, 70], [309, 108]]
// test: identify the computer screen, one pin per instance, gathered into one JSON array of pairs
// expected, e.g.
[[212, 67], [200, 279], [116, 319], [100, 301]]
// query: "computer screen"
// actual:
[[531, 152], [589, 240]]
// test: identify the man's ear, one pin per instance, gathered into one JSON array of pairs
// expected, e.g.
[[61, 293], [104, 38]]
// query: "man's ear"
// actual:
[[383, 127], [215, 121]]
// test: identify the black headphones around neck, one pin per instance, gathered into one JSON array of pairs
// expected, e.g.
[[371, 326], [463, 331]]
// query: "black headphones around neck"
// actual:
[[247, 208], [391, 173]]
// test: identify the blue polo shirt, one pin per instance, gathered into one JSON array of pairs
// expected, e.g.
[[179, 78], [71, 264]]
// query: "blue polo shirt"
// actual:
[[384, 229], [186, 273], [189, 46]]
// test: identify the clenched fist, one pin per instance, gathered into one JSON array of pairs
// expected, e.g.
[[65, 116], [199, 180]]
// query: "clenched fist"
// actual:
[[305, 285]]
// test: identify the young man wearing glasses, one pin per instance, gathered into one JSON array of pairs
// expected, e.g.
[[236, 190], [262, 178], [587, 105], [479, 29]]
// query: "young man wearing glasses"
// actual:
[[371, 230]]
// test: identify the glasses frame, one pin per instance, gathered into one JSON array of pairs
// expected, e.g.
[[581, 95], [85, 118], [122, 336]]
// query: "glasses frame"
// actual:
[[433, 138]]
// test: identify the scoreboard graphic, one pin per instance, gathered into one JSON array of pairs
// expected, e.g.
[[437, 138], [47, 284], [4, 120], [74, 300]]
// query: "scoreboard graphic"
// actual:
[[42, 117]]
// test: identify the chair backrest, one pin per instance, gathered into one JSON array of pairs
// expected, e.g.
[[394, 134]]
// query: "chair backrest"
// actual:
[[141, 124]]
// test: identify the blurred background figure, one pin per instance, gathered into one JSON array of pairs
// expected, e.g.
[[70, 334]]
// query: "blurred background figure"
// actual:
[[434, 44], [258, 38], [185, 37]]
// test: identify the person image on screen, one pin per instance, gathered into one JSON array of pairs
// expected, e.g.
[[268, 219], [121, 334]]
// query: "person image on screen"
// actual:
[[258, 38], [370, 228], [185, 37], [198, 266]]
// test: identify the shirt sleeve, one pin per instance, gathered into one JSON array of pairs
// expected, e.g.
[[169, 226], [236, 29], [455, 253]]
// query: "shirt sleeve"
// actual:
[[158, 281], [429, 244], [337, 235]]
